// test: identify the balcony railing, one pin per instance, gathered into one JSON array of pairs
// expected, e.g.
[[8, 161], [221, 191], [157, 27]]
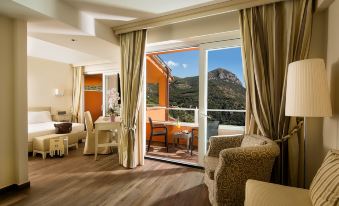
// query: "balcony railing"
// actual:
[[195, 112]]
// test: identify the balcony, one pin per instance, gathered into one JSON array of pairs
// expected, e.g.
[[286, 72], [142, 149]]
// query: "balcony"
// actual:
[[179, 119]]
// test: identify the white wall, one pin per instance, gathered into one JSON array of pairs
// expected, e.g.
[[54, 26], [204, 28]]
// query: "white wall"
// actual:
[[13, 104], [331, 125], [314, 136], [322, 133], [43, 77]]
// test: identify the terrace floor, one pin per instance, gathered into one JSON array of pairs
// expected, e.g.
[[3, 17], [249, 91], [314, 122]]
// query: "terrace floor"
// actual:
[[177, 153]]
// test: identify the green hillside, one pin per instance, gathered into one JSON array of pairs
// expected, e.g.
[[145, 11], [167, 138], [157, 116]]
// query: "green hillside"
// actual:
[[225, 91]]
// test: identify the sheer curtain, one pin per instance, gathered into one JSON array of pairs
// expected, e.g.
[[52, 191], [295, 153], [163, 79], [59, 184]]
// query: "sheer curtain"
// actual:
[[273, 36], [78, 73], [132, 59]]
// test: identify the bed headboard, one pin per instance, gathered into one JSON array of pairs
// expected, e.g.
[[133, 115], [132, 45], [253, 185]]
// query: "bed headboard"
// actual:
[[37, 109]]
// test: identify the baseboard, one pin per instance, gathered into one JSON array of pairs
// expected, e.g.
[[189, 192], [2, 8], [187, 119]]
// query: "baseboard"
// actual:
[[15, 187]]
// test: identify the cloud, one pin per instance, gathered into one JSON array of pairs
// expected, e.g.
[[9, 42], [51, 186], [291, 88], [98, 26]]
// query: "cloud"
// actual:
[[184, 66], [171, 63]]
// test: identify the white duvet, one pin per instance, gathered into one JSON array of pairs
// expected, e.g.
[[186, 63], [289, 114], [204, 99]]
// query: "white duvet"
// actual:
[[45, 128]]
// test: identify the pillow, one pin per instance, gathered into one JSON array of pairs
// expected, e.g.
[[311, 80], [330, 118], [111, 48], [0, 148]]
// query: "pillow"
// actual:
[[250, 141], [63, 128], [324, 188], [39, 117]]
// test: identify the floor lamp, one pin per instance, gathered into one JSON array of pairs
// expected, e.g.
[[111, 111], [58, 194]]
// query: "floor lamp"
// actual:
[[307, 93]]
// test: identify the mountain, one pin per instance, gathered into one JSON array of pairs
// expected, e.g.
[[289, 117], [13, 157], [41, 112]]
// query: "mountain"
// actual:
[[225, 91], [223, 74]]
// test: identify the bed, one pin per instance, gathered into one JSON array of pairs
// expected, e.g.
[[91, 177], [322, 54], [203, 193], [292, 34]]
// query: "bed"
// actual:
[[40, 123]]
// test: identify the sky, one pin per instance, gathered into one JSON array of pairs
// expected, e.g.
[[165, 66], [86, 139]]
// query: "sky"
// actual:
[[186, 64]]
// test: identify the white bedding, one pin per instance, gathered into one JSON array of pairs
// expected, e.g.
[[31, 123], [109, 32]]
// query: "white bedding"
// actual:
[[45, 128]]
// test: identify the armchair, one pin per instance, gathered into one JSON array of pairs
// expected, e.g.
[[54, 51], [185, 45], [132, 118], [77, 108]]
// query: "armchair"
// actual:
[[232, 160]]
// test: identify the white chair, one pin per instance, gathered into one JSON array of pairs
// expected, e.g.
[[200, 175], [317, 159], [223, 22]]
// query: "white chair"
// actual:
[[105, 137]]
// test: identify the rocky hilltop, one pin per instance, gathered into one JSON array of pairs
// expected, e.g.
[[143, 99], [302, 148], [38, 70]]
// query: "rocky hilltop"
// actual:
[[225, 91]]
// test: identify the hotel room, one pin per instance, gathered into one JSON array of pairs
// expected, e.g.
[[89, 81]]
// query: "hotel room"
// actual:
[[208, 102]]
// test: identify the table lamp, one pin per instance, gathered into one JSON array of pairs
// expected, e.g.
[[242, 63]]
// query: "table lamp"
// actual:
[[307, 93]]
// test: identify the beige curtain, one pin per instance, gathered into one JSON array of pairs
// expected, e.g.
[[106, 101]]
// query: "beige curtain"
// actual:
[[78, 73], [273, 36], [132, 58]]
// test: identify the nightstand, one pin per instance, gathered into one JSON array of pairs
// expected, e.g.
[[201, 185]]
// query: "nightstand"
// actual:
[[62, 117]]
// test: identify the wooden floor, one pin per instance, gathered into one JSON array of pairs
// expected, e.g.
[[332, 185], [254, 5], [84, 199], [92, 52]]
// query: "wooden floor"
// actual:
[[79, 180]]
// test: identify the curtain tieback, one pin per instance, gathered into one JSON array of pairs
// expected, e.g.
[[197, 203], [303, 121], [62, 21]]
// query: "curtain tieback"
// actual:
[[289, 135], [132, 128]]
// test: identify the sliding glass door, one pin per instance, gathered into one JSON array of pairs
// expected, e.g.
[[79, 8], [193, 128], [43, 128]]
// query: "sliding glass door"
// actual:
[[195, 92], [222, 92]]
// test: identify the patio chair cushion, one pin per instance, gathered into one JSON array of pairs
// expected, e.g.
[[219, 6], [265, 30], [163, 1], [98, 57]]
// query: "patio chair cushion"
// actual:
[[211, 164], [324, 188]]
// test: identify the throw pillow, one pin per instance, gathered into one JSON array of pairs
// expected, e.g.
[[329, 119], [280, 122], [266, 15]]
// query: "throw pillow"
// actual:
[[324, 188]]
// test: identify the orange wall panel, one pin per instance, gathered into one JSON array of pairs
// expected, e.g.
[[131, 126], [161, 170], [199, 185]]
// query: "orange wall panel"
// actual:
[[155, 75], [93, 99]]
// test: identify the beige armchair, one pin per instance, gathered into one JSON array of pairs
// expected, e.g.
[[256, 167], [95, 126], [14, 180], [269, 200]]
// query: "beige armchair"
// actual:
[[232, 160], [104, 137]]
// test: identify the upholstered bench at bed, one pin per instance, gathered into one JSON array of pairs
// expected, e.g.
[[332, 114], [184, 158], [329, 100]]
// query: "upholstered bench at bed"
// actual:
[[41, 143]]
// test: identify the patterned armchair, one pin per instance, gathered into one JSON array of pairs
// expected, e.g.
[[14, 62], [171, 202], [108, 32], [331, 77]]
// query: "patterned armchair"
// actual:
[[232, 160]]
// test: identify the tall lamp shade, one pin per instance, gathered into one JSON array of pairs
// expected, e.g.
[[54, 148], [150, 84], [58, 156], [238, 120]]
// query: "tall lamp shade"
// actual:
[[307, 92]]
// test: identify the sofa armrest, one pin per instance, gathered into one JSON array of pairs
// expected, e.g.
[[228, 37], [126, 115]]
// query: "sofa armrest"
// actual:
[[221, 142], [265, 194]]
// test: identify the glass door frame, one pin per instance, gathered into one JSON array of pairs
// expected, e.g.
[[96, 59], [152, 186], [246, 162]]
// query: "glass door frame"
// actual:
[[203, 90]]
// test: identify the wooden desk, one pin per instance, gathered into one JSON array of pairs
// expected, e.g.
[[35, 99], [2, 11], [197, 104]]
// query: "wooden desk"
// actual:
[[104, 123]]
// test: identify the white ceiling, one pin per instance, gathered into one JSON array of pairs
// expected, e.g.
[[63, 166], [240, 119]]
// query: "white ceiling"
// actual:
[[86, 44], [51, 26], [50, 51], [117, 12], [53, 23]]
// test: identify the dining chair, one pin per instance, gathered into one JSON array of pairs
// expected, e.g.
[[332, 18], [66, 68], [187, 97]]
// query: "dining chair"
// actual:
[[157, 130], [212, 130], [90, 138], [194, 134]]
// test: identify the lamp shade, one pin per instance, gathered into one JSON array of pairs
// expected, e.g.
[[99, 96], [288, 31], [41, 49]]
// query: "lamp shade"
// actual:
[[307, 93]]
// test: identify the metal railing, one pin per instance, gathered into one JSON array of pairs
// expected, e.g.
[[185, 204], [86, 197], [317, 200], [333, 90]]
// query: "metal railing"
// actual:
[[196, 111]]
